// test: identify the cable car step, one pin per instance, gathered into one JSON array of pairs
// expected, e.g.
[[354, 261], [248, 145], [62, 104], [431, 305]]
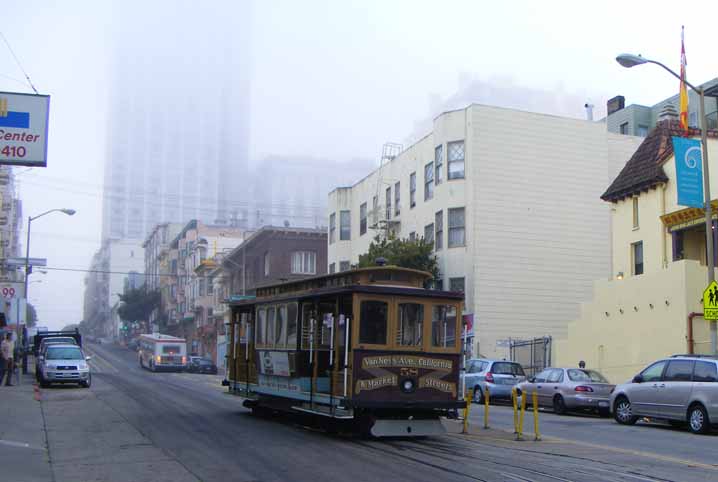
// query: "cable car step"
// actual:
[[325, 411]]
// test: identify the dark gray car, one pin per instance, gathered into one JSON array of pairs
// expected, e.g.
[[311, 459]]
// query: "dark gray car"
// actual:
[[681, 389]]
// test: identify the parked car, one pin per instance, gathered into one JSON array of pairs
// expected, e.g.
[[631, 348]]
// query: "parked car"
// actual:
[[565, 389], [201, 365], [44, 343], [682, 389], [65, 363], [499, 376]]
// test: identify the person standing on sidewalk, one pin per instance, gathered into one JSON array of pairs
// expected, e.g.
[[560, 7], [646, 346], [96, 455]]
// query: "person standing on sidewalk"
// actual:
[[7, 348]]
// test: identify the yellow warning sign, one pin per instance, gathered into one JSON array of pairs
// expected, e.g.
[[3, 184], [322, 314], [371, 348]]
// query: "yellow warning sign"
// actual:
[[710, 302]]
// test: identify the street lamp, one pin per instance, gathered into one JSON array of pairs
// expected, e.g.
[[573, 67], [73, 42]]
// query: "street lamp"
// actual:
[[630, 60], [30, 219]]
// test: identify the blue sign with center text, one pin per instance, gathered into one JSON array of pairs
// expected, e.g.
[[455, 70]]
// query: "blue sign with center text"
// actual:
[[689, 171]]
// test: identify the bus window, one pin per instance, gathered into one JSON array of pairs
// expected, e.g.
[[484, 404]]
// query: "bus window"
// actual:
[[292, 326], [373, 324], [280, 337], [411, 321], [261, 326], [271, 327], [326, 313], [443, 326]]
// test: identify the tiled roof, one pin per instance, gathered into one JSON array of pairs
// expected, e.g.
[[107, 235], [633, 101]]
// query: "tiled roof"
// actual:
[[644, 170]]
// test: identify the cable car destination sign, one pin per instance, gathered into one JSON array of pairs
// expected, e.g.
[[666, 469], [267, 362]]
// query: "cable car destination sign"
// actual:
[[23, 129]]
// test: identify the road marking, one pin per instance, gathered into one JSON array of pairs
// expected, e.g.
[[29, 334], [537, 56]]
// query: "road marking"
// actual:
[[10, 443]]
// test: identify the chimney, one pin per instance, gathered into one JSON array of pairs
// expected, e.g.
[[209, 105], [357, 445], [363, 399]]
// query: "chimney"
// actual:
[[589, 111], [668, 112], [615, 104]]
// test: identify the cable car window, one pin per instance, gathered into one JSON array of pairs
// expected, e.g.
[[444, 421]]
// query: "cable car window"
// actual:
[[292, 326], [261, 325], [280, 335], [411, 321], [373, 324], [271, 329], [443, 326]]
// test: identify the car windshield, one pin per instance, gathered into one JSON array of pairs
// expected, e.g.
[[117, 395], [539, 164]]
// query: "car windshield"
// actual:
[[64, 353], [507, 368], [577, 375], [49, 341], [205, 362]]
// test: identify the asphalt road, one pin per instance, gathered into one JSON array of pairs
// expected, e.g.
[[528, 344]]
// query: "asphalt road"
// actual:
[[192, 420]]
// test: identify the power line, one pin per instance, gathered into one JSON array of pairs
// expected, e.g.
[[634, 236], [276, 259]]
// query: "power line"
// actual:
[[17, 61], [136, 273]]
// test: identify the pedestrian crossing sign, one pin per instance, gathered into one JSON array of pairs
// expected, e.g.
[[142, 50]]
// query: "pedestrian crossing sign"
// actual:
[[710, 302]]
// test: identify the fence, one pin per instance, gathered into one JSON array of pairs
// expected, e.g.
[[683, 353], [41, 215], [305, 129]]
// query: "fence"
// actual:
[[533, 355]]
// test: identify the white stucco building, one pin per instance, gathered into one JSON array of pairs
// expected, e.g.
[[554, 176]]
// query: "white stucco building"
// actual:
[[511, 200]]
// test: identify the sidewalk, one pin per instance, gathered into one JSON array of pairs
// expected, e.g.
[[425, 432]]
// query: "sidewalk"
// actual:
[[23, 442]]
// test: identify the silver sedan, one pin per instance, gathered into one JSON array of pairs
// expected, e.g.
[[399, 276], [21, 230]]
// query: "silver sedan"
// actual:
[[565, 389]]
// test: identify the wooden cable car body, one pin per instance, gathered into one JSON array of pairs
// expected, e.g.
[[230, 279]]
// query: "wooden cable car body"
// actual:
[[371, 346]]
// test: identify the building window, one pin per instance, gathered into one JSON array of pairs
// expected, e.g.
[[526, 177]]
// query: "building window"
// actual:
[[455, 157], [624, 128], [412, 190], [266, 264], [635, 212], [344, 266], [692, 119], [345, 232], [429, 233], [637, 255], [439, 230], [429, 181], [438, 162], [332, 227], [332, 268], [388, 203], [456, 284], [304, 262], [457, 225], [412, 236], [362, 219], [642, 131], [397, 200]]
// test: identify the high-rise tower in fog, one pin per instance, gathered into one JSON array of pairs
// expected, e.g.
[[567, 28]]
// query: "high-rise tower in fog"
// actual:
[[177, 139]]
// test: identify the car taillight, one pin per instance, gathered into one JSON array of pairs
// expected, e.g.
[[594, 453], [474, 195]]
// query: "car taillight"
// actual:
[[184, 360], [581, 388], [490, 377], [158, 359]]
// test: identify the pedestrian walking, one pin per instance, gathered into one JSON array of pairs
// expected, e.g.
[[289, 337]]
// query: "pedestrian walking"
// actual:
[[582, 364], [7, 348]]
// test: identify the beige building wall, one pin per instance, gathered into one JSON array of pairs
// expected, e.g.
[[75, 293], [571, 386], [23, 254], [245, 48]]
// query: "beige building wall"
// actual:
[[537, 234]]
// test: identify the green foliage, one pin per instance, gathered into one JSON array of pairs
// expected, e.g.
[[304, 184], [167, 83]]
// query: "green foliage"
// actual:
[[417, 254], [138, 304]]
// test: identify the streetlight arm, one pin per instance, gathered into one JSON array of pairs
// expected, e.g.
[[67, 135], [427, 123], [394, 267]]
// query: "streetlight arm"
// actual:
[[696, 89], [66, 211]]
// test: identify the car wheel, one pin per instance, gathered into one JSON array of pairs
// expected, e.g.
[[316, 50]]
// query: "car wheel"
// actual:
[[87, 383], [559, 406], [623, 413], [698, 419], [478, 396]]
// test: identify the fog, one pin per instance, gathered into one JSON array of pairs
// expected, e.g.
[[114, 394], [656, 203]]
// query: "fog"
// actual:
[[318, 82]]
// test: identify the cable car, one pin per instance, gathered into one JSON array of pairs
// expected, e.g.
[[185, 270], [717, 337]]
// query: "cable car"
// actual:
[[371, 348]]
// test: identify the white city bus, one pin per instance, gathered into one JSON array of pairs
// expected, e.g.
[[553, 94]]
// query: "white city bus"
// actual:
[[162, 352]]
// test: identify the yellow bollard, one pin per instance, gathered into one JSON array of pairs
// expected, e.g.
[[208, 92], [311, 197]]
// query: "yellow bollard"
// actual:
[[469, 396], [521, 416], [487, 396], [514, 402], [537, 436]]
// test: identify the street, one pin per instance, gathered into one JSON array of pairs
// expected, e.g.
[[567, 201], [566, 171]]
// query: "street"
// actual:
[[137, 425]]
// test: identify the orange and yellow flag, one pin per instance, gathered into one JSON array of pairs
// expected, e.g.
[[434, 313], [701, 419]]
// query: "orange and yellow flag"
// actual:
[[683, 96]]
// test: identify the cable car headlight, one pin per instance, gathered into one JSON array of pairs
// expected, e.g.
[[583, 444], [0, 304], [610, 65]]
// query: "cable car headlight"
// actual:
[[407, 385]]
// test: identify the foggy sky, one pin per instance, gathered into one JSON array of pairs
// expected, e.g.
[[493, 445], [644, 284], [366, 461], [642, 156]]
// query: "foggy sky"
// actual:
[[332, 80]]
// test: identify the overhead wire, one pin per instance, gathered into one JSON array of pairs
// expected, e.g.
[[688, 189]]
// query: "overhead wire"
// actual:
[[17, 61]]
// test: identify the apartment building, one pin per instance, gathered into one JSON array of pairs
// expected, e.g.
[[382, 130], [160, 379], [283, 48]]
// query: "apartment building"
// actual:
[[638, 120], [510, 201], [651, 307]]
